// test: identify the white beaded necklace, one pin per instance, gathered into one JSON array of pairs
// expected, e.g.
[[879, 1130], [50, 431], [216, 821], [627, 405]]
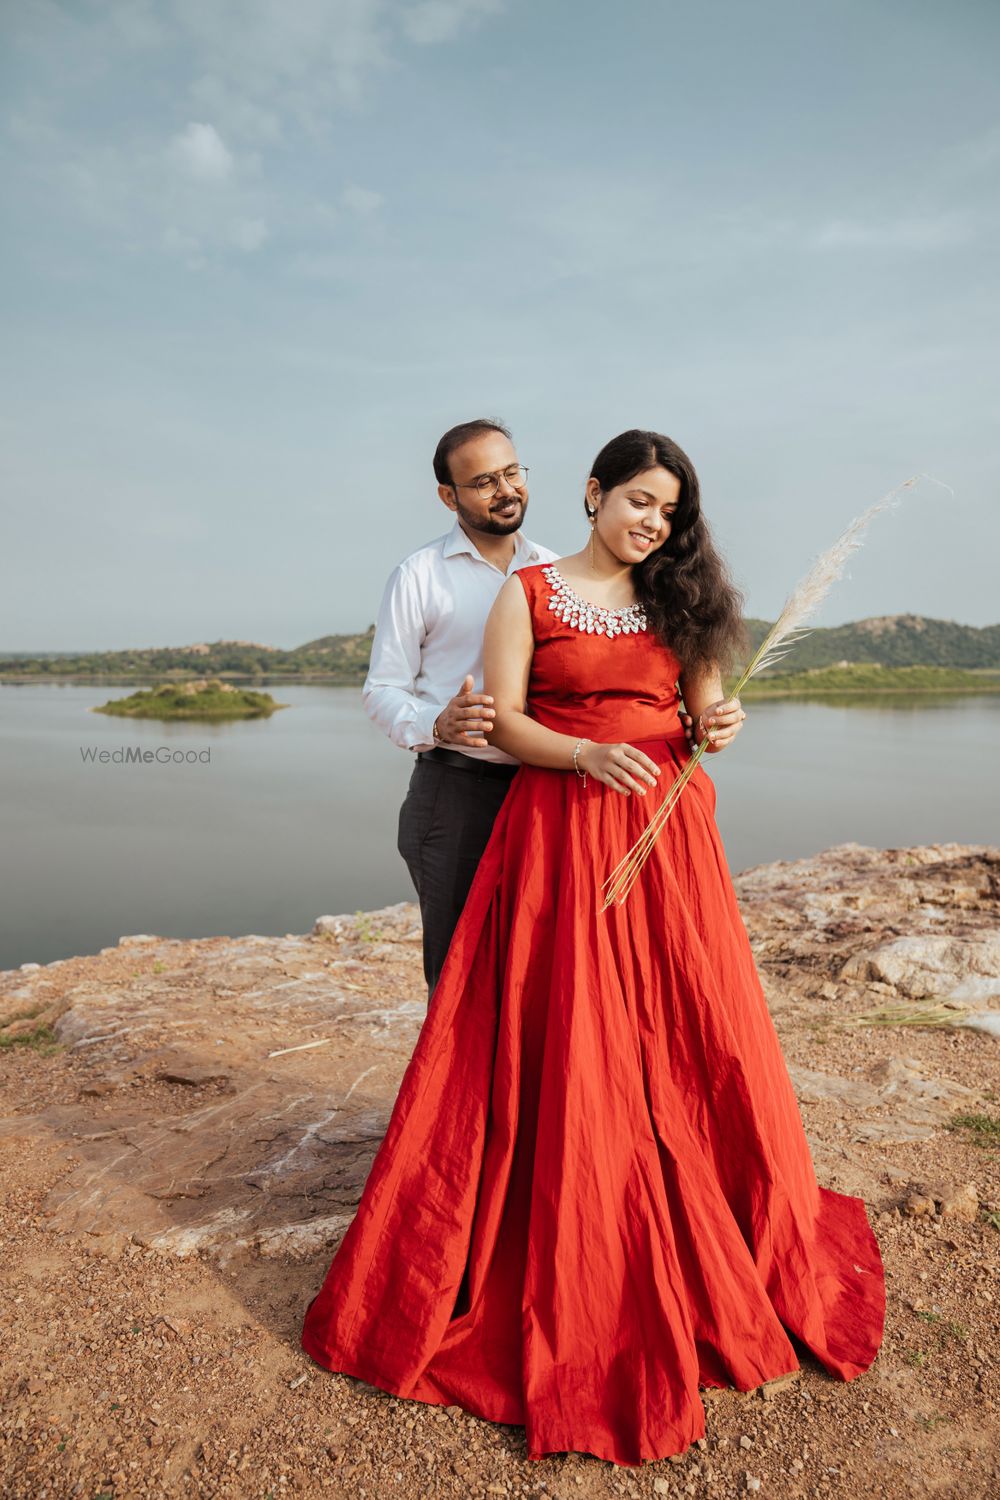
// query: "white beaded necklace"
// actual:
[[592, 618]]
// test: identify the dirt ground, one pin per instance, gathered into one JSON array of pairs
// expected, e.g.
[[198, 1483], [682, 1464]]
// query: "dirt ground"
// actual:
[[128, 1370]]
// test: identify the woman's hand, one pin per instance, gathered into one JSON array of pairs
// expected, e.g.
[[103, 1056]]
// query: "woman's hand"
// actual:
[[622, 767], [721, 722]]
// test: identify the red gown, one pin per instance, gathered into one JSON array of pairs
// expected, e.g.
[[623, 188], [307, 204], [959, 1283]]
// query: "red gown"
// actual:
[[595, 1194]]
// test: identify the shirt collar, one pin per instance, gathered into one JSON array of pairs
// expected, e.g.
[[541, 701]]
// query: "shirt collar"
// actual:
[[457, 541]]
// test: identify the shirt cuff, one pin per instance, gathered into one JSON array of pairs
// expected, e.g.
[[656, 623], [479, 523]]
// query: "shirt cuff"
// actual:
[[423, 726]]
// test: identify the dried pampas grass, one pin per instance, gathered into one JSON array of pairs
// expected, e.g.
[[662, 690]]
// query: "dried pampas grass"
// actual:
[[787, 630]]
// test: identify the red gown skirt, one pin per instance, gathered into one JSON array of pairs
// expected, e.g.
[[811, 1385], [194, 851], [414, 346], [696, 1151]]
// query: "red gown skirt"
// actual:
[[595, 1193]]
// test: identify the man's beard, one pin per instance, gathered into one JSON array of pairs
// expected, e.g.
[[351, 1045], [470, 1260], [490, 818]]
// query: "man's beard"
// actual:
[[494, 525]]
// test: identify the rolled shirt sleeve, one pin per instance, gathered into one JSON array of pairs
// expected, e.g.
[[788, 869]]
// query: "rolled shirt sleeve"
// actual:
[[389, 693]]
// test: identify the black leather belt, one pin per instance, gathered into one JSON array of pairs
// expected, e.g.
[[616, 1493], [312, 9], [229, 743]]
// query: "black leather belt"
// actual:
[[491, 768]]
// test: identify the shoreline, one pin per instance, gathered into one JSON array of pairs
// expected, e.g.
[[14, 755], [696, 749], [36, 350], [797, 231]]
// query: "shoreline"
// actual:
[[987, 682], [189, 1125]]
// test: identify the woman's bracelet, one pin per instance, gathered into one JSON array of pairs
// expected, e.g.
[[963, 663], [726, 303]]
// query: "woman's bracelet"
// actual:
[[576, 767]]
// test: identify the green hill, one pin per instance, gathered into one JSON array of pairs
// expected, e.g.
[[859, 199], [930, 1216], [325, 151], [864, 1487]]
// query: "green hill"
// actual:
[[887, 641], [331, 658], [891, 641]]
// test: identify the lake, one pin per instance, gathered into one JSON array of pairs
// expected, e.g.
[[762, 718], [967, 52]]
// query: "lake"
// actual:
[[293, 817]]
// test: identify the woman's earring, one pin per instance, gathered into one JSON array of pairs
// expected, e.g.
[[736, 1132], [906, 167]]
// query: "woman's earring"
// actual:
[[593, 527]]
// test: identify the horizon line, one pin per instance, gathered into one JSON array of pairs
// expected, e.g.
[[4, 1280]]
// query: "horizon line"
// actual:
[[223, 641]]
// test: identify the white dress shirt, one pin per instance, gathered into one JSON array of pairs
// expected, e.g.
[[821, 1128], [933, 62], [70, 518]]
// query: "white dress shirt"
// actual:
[[429, 636]]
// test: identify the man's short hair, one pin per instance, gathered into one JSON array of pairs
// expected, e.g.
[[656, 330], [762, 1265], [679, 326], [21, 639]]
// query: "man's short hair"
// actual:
[[454, 438]]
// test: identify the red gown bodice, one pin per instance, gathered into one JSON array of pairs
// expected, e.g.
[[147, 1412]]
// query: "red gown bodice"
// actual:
[[622, 687]]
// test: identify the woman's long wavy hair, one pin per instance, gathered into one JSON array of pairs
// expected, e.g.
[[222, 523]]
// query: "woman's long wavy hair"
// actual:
[[684, 586]]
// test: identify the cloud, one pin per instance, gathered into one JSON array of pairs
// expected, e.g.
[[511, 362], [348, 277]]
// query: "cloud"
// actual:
[[361, 201], [303, 57], [180, 243], [321, 267], [434, 21], [975, 154], [240, 116], [297, 59], [186, 247], [248, 234], [891, 234], [174, 126], [200, 151], [136, 24], [754, 231]]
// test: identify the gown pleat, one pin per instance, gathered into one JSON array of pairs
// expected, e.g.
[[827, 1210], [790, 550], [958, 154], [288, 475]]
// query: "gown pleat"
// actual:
[[595, 1193]]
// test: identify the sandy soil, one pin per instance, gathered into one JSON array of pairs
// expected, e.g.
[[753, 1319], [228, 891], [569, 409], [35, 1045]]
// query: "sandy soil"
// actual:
[[129, 1370]]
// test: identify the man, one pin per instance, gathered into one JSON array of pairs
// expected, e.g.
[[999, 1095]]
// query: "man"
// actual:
[[424, 683]]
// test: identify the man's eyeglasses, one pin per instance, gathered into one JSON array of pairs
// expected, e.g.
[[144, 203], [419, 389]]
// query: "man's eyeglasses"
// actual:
[[489, 484]]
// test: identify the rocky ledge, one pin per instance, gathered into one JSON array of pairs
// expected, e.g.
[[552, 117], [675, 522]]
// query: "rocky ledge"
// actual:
[[227, 1095]]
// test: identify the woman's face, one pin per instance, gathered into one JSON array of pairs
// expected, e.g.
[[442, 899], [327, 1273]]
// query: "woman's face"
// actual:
[[634, 519]]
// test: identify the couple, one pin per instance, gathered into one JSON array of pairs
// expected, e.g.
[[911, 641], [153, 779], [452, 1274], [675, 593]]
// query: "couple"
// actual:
[[594, 1194]]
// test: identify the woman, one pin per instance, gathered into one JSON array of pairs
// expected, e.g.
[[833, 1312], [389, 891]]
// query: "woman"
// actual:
[[595, 1193]]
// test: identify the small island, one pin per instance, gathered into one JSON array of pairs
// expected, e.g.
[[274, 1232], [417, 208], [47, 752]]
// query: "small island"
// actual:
[[210, 698]]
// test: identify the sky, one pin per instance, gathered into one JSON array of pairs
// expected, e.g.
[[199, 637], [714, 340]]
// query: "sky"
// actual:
[[257, 257]]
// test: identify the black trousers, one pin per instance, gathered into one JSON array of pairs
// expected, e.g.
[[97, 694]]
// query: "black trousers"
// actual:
[[445, 823]]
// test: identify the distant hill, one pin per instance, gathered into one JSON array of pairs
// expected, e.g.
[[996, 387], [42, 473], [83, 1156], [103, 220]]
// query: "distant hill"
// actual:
[[331, 658], [891, 641], [886, 640]]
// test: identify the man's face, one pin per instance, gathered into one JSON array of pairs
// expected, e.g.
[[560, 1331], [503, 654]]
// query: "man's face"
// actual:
[[499, 514]]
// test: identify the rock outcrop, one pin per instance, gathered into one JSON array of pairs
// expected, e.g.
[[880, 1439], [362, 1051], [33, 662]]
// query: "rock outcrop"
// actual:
[[228, 1094]]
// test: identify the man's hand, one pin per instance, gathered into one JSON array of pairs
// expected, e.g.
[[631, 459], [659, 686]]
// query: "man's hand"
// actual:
[[467, 718]]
